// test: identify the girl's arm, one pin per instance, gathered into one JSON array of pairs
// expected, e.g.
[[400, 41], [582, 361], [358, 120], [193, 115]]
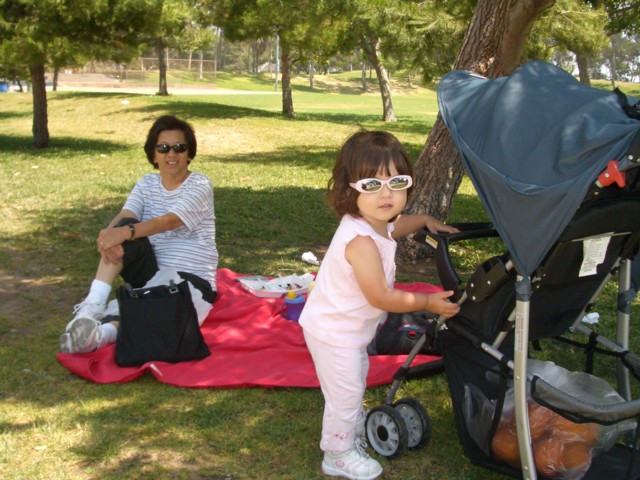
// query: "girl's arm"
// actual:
[[363, 255], [407, 224]]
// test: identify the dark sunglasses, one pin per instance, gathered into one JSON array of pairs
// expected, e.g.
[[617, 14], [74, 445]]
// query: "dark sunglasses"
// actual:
[[177, 147]]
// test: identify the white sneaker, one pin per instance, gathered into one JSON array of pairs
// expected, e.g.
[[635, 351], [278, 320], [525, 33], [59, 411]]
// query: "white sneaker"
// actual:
[[86, 309], [112, 310], [353, 464], [83, 334]]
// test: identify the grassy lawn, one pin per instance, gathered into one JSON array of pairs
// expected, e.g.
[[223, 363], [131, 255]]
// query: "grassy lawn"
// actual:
[[269, 175]]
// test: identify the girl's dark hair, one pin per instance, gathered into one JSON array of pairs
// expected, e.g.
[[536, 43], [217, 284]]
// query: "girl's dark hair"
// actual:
[[363, 155], [169, 122]]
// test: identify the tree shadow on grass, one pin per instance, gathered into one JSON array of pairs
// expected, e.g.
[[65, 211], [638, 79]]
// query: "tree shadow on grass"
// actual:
[[13, 115], [295, 155], [208, 108], [24, 145]]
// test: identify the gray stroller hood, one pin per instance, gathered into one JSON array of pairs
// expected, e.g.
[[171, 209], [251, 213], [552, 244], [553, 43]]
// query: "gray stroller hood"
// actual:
[[533, 143]]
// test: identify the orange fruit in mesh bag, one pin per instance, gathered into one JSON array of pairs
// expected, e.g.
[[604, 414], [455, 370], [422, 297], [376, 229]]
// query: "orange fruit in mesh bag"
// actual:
[[548, 456], [505, 444], [568, 431], [576, 459], [540, 419]]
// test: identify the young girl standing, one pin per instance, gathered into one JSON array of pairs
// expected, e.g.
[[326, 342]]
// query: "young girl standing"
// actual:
[[354, 289]]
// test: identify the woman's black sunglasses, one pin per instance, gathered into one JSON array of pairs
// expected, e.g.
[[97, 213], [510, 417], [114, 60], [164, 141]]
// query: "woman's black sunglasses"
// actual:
[[177, 147]]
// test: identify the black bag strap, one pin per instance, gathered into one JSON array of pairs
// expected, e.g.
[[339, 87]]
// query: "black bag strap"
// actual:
[[131, 291], [632, 111]]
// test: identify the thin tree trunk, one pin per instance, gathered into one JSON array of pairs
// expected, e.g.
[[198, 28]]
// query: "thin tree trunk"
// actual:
[[215, 56], [311, 73], [285, 65], [612, 64], [162, 67], [371, 47], [492, 47], [56, 73], [363, 77], [40, 119]]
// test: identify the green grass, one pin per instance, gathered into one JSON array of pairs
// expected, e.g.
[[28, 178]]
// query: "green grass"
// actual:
[[270, 175]]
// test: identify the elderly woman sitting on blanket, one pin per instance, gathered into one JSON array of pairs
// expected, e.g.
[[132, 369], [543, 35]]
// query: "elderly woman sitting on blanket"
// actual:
[[165, 230]]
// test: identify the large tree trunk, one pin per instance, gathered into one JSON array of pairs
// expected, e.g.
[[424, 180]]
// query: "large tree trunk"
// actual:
[[583, 68], [492, 47], [285, 65], [40, 119], [371, 46], [161, 51]]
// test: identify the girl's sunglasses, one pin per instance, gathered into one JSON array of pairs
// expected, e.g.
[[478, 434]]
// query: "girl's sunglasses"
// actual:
[[373, 185], [177, 147]]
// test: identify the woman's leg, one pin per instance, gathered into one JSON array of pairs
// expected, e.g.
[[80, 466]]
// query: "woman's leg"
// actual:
[[86, 332]]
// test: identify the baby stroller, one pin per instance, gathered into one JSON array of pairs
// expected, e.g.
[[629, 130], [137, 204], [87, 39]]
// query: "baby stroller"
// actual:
[[554, 164]]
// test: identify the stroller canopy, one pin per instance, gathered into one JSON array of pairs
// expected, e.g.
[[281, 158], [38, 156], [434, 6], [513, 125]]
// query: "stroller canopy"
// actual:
[[532, 144]]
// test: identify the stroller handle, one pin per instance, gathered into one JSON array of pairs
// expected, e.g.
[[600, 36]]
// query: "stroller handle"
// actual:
[[439, 242]]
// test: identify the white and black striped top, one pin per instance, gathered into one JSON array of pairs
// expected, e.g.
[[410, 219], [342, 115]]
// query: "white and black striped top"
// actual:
[[191, 247]]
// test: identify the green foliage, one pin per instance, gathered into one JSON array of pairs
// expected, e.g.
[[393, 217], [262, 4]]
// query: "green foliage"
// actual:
[[69, 32], [623, 15], [570, 25]]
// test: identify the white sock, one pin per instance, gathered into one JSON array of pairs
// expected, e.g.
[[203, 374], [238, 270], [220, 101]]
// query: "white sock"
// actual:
[[109, 334], [99, 292]]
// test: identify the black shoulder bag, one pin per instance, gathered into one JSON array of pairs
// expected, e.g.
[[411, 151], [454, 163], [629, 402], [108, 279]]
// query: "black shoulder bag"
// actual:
[[158, 324]]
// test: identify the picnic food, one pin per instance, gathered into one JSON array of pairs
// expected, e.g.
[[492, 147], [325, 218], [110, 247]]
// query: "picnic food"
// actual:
[[562, 449]]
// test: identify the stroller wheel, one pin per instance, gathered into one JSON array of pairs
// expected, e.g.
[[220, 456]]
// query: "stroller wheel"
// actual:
[[417, 421], [386, 431]]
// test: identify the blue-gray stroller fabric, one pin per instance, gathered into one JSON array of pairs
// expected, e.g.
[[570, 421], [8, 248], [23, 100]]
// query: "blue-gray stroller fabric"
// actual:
[[533, 143]]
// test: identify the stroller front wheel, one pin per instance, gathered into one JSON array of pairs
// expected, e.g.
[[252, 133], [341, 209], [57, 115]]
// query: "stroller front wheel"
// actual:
[[417, 421], [386, 431]]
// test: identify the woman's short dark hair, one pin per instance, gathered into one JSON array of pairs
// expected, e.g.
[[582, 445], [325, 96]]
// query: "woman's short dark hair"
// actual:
[[363, 155], [169, 122]]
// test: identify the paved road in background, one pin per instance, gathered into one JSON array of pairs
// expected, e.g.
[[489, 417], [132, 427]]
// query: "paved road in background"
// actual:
[[98, 82]]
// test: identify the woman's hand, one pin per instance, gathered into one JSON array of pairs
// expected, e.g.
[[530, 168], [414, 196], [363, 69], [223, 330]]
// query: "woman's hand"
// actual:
[[111, 237], [113, 254]]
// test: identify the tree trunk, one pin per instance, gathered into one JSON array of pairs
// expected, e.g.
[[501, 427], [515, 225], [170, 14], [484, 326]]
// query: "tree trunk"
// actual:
[[583, 68], [492, 47], [285, 65], [371, 47], [612, 64], [312, 69], [40, 120], [56, 73], [363, 77], [161, 50]]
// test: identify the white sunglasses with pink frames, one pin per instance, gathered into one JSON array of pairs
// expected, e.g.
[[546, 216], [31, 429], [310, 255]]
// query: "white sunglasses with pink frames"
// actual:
[[373, 185]]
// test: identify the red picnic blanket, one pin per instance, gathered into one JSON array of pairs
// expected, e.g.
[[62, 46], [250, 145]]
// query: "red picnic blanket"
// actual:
[[251, 343]]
